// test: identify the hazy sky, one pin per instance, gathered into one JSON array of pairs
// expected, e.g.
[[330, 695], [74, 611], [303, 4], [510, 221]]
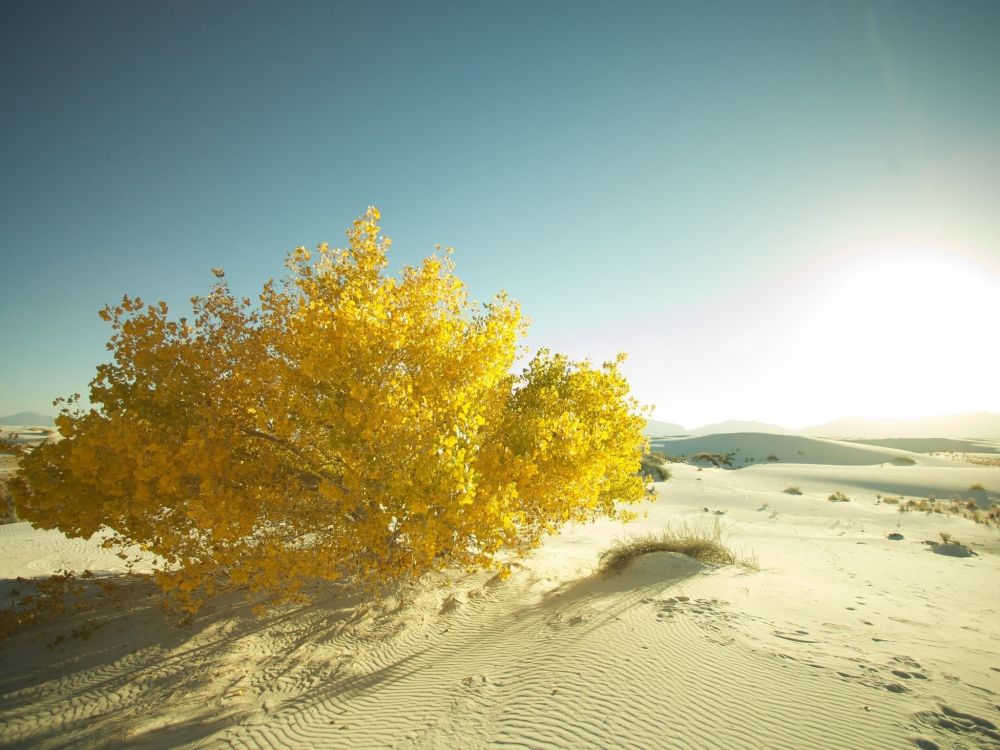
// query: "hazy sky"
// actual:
[[785, 211]]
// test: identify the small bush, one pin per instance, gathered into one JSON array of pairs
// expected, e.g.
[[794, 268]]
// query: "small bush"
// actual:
[[654, 468], [977, 487], [717, 460], [963, 508], [8, 514], [903, 461], [983, 460], [839, 497], [700, 542], [891, 500], [772, 457], [792, 491]]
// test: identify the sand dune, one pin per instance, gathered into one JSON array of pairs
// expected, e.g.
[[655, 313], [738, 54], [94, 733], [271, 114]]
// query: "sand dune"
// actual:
[[29, 418], [844, 639], [28, 435], [756, 447], [980, 424]]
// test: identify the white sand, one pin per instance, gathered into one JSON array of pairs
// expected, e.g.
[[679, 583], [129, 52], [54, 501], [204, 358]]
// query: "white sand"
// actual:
[[844, 639], [28, 435]]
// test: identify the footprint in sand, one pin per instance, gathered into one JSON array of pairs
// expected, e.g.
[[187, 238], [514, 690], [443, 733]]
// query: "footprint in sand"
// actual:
[[476, 682], [875, 677], [797, 635], [911, 666], [560, 620], [708, 613], [909, 675], [974, 728]]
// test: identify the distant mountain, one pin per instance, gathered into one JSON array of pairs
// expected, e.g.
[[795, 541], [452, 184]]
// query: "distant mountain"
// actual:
[[735, 425], [979, 425], [28, 419], [656, 428]]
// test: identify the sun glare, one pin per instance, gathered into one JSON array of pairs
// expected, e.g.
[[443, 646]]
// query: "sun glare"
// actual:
[[905, 333]]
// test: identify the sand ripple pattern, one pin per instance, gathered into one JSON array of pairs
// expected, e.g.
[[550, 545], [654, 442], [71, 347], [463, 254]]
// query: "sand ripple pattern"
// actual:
[[669, 654], [574, 670]]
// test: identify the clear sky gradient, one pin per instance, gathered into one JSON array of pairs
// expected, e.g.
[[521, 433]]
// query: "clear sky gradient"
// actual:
[[784, 211]]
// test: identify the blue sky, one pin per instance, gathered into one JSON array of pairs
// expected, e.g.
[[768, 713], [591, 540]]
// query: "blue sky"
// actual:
[[706, 185]]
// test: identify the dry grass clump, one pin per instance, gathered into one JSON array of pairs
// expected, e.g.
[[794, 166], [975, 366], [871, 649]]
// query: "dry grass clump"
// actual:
[[718, 460], [891, 500], [792, 491], [963, 508], [701, 542], [984, 460], [839, 497], [654, 466]]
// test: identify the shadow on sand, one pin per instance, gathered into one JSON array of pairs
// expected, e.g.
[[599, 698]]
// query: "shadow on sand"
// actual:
[[116, 665]]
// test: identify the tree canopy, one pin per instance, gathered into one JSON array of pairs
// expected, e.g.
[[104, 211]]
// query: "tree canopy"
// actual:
[[352, 425]]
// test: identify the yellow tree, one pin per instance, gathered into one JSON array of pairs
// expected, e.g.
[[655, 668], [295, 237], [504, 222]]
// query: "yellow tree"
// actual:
[[354, 425]]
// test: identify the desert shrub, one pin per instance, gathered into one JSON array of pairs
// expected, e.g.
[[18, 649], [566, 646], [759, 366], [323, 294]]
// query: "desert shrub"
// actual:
[[772, 457], [8, 514], [792, 491], [701, 542], [355, 426], [888, 500], [989, 516], [654, 467], [983, 460], [977, 487], [717, 460], [839, 497], [903, 461]]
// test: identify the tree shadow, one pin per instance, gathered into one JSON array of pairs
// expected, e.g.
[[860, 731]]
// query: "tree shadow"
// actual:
[[116, 665], [121, 672]]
